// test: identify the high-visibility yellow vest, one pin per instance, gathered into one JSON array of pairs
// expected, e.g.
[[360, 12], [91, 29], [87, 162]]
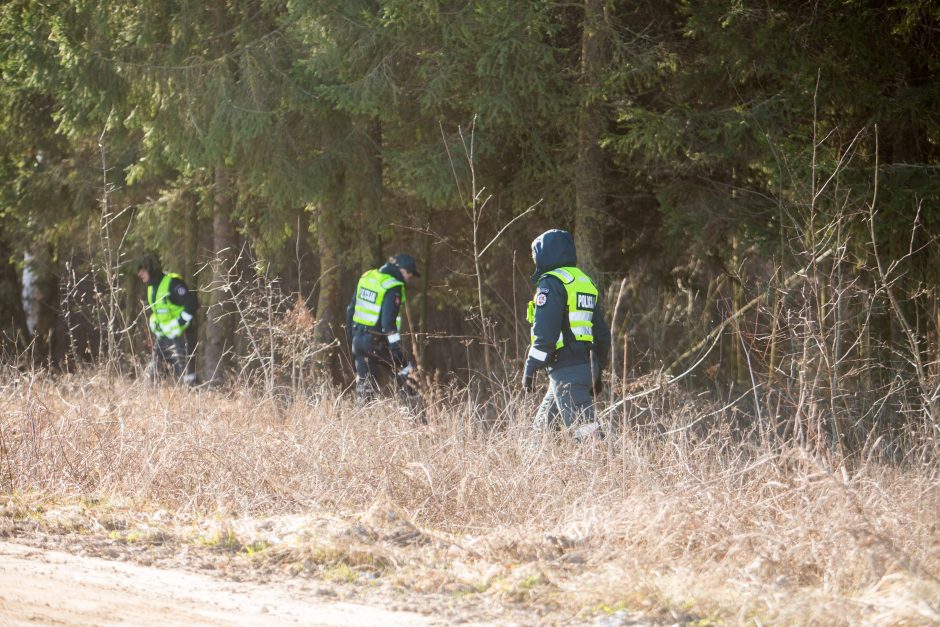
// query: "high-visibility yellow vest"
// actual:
[[582, 301], [370, 293], [165, 315]]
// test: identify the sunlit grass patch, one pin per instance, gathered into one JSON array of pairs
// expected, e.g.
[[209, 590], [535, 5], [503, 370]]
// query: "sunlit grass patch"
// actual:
[[703, 526]]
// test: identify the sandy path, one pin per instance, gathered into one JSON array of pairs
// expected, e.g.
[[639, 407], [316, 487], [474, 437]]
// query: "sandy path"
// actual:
[[42, 587]]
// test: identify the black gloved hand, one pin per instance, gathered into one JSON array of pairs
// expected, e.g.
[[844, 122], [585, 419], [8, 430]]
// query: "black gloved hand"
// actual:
[[398, 355], [528, 381], [598, 386]]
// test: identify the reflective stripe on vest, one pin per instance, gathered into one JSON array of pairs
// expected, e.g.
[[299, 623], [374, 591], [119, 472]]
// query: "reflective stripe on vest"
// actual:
[[582, 300], [370, 293], [165, 315]]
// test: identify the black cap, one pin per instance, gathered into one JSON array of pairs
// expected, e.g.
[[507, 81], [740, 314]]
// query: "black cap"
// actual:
[[406, 262]]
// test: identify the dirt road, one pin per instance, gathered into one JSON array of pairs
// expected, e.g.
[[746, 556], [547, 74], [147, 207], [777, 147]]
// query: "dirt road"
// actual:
[[45, 587]]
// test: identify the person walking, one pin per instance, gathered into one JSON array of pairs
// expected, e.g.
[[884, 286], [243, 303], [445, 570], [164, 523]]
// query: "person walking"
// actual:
[[373, 318], [570, 337], [172, 307]]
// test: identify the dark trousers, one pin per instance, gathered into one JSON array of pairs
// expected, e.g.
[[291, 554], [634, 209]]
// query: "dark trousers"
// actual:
[[375, 365], [373, 361], [569, 400], [174, 356]]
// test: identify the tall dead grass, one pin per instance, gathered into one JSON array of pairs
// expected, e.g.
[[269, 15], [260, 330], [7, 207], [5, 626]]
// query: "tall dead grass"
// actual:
[[661, 498]]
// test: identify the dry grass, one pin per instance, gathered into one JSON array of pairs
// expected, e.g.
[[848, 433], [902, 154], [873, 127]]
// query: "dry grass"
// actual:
[[681, 524]]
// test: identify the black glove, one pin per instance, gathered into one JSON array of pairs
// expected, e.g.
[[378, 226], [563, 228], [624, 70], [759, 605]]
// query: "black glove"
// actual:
[[398, 355], [598, 386], [528, 381]]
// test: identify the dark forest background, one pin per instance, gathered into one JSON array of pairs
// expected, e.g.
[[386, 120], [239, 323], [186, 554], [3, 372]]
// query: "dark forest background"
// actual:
[[754, 185]]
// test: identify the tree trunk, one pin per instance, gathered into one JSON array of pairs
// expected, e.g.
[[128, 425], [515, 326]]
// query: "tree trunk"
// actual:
[[189, 210], [220, 322], [330, 313], [196, 230], [12, 318], [420, 341], [300, 274], [366, 189], [590, 189]]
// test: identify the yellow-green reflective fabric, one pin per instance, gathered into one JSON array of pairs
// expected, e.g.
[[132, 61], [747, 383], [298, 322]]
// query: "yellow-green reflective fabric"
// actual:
[[582, 300], [370, 293], [165, 315]]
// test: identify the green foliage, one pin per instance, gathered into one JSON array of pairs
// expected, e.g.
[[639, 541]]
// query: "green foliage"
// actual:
[[727, 125]]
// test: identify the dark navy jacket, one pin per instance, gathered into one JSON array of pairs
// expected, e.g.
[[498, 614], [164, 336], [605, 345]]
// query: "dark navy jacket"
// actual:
[[555, 249], [388, 317]]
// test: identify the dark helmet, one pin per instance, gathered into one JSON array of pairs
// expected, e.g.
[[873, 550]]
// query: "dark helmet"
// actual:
[[150, 263], [406, 262]]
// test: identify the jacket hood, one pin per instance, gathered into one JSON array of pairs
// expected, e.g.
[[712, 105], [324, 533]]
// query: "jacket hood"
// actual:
[[553, 249]]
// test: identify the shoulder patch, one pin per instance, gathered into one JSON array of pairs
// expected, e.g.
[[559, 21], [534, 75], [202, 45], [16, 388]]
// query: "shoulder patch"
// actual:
[[397, 299], [542, 290], [181, 290], [540, 299]]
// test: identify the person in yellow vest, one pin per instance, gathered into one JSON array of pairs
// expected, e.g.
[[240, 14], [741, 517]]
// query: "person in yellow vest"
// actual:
[[373, 318], [570, 337], [171, 306]]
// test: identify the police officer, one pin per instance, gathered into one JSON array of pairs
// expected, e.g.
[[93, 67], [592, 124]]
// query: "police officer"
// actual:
[[172, 308], [374, 320], [570, 338]]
